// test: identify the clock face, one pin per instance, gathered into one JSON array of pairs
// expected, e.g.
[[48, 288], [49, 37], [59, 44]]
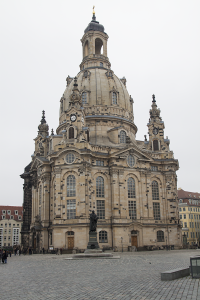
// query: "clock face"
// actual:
[[155, 131], [73, 118]]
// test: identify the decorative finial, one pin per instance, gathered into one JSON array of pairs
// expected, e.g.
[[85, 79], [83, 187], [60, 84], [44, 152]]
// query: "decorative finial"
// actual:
[[154, 98], [93, 17], [52, 133], [43, 117]]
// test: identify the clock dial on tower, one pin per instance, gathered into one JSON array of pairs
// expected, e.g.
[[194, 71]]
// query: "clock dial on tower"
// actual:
[[155, 131], [73, 117]]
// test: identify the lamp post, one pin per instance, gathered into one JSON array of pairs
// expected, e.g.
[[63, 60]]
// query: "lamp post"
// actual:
[[122, 243], [166, 243]]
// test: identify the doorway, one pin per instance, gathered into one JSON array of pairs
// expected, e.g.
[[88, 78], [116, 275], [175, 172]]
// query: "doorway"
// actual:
[[134, 240], [70, 242], [70, 239]]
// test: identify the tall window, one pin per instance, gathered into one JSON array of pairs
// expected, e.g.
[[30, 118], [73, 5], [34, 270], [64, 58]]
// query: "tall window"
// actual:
[[1, 237], [15, 236], [84, 98], [131, 187], [156, 210], [71, 133], [114, 98], [155, 145], [71, 209], [122, 137], [101, 209], [160, 236], [99, 187], [88, 136], [71, 186], [132, 210], [40, 195], [103, 236], [155, 190]]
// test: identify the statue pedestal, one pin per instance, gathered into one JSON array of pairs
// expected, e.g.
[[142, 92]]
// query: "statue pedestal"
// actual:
[[93, 244]]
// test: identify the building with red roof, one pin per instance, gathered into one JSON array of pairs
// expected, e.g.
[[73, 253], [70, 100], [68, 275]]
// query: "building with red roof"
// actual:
[[10, 225], [189, 214]]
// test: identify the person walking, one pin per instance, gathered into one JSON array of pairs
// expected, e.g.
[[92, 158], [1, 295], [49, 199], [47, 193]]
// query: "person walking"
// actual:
[[4, 257]]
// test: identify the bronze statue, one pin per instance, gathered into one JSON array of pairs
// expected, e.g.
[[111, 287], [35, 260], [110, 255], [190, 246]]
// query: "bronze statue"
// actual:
[[93, 221]]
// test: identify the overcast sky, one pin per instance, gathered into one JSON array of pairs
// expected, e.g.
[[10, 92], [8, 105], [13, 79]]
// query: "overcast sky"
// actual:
[[154, 44]]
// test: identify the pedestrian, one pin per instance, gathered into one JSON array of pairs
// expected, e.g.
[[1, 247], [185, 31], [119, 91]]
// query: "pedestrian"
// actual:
[[20, 251], [15, 251], [43, 251], [4, 257], [60, 250]]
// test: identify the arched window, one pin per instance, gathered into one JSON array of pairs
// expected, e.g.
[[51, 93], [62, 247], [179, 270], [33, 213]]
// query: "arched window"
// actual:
[[98, 46], [114, 98], [155, 190], [88, 136], [100, 187], [122, 137], [131, 187], [71, 186], [71, 133], [160, 236], [103, 236], [84, 98], [70, 232], [155, 145], [86, 49]]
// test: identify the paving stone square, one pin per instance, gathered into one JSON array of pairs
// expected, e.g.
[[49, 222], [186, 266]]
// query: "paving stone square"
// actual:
[[135, 276]]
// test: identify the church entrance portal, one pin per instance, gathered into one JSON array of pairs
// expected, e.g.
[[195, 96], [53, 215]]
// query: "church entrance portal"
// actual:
[[70, 242], [134, 235], [134, 241], [70, 239]]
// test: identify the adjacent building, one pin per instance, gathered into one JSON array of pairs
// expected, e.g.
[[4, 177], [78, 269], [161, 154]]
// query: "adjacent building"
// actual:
[[11, 218], [94, 162], [189, 214]]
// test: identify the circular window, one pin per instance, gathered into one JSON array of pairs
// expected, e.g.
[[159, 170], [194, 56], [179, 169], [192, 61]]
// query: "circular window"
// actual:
[[131, 161], [70, 158]]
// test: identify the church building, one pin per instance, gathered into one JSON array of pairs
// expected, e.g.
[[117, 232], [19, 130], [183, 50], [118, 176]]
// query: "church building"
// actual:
[[94, 162]]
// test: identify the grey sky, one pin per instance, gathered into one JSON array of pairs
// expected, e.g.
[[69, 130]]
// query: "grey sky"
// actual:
[[154, 44]]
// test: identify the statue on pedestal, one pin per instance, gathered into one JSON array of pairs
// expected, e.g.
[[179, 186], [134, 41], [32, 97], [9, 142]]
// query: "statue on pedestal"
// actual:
[[93, 221]]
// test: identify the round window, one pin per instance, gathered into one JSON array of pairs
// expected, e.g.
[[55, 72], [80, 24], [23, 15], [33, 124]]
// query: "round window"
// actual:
[[131, 161], [70, 158]]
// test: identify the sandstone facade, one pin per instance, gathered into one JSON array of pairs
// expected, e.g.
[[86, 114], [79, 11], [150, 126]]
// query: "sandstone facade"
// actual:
[[94, 162]]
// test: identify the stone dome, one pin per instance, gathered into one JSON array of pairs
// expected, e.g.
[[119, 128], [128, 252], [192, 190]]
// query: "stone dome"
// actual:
[[99, 84]]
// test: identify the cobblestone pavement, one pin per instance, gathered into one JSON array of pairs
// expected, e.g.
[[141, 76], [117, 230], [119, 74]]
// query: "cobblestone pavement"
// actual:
[[135, 276]]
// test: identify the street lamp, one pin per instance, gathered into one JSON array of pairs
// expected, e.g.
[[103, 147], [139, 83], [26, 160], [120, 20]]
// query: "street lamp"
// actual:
[[122, 243]]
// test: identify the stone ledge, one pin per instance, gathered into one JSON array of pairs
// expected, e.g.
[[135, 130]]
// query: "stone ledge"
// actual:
[[175, 274]]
